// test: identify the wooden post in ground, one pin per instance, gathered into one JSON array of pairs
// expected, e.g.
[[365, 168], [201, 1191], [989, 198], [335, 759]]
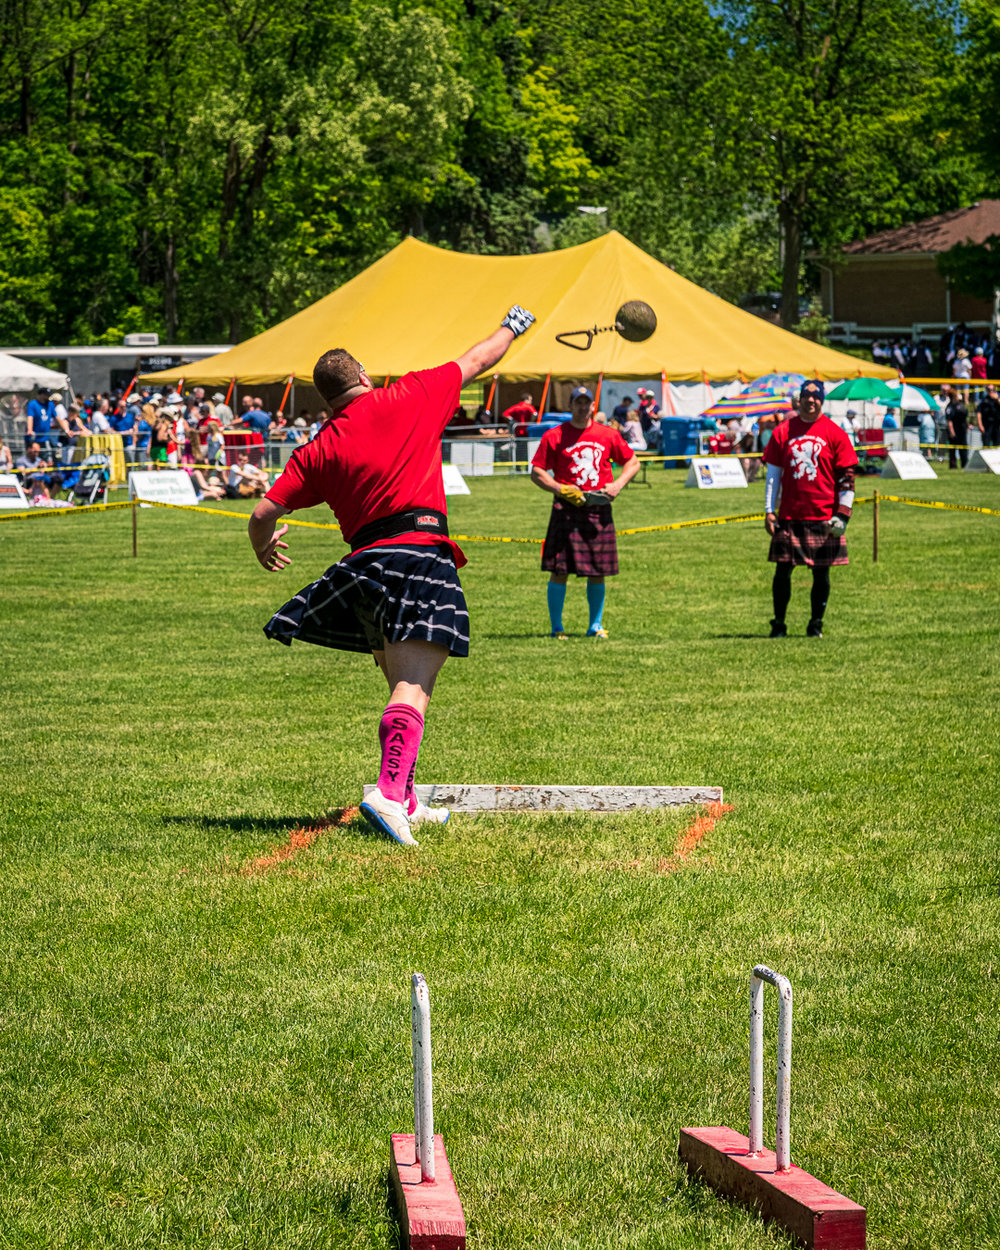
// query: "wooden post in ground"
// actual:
[[135, 528], [875, 526]]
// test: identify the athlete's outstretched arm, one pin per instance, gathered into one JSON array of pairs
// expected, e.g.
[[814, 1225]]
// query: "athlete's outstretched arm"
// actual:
[[266, 543], [491, 351]]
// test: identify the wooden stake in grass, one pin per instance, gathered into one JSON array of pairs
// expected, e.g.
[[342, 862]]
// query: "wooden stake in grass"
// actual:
[[135, 528], [874, 527]]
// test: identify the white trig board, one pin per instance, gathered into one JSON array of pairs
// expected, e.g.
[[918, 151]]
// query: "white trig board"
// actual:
[[165, 486], [984, 460], [715, 474], [12, 492], [908, 465], [473, 459], [454, 483]]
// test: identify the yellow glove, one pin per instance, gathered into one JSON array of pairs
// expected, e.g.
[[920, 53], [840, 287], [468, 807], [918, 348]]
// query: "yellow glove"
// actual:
[[571, 494]]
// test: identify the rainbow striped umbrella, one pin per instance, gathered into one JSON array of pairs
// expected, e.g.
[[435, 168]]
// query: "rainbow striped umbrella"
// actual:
[[749, 403], [778, 383]]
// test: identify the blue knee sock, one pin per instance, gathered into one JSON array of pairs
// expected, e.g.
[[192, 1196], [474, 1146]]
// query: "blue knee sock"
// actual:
[[557, 597], [595, 601]]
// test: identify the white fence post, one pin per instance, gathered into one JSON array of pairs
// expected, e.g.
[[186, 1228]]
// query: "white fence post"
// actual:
[[423, 1085], [782, 1146]]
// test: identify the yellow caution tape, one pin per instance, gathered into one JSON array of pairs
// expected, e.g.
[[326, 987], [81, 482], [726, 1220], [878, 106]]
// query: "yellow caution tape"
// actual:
[[40, 512], [930, 503]]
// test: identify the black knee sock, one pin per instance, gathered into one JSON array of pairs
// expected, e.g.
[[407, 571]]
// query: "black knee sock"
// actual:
[[781, 590], [820, 591]]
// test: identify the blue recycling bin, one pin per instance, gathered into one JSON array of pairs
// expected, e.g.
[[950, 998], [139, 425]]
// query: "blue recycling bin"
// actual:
[[678, 437]]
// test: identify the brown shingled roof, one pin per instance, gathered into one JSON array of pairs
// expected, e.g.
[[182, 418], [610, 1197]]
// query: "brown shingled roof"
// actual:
[[934, 234]]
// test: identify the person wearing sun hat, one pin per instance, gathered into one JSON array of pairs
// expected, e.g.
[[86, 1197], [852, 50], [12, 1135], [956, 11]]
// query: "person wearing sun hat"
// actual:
[[808, 497]]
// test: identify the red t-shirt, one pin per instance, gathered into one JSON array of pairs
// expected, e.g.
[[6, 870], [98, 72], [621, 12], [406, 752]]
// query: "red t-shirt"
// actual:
[[810, 456], [379, 456], [521, 411], [581, 458]]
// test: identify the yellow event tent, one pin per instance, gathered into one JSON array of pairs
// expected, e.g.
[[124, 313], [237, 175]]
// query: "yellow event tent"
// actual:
[[421, 305]]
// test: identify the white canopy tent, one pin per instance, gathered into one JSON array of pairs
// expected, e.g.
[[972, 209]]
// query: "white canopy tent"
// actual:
[[22, 376]]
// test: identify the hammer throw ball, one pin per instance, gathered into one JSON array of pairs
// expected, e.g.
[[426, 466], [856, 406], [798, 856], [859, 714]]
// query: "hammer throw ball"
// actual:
[[635, 320]]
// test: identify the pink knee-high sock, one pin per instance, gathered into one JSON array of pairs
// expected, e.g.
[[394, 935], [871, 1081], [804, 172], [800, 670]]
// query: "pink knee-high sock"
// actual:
[[399, 734]]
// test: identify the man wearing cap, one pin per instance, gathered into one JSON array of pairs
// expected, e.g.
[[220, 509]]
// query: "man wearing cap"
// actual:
[[808, 497], [223, 413], [377, 464], [41, 413], [573, 463]]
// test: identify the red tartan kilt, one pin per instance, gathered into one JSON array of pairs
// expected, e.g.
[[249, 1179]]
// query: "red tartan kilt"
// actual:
[[580, 541], [806, 542]]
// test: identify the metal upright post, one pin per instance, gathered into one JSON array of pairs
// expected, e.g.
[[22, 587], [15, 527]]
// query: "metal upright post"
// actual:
[[782, 1148], [423, 1085]]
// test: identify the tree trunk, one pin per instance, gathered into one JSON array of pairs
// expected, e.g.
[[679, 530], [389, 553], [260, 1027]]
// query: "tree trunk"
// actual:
[[789, 215], [170, 282]]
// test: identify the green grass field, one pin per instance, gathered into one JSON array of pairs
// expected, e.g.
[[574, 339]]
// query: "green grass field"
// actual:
[[196, 1053]]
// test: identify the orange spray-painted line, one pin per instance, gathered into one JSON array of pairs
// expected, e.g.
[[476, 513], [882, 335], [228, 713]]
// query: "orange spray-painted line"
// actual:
[[705, 823], [299, 839]]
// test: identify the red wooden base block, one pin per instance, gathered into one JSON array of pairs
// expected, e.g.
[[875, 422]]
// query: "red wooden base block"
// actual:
[[815, 1215], [430, 1212]]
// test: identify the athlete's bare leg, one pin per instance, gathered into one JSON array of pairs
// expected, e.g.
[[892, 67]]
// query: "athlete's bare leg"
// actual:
[[410, 669]]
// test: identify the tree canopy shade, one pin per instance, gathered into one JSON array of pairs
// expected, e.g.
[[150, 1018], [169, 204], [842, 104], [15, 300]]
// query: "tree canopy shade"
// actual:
[[420, 306], [206, 168]]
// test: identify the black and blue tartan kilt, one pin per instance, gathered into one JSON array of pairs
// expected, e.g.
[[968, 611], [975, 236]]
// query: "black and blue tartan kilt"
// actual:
[[580, 541], [397, 593], [806, 542]]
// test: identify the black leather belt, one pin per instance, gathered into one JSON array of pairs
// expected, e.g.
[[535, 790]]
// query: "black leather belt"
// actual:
[[419, 520]]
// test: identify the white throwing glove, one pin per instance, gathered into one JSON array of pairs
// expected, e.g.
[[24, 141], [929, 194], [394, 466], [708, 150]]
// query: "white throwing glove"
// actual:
[[518, 319], [836, 526]]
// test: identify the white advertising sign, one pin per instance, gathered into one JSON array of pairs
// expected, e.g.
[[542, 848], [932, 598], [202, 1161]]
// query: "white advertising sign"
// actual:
[[715, 474], [11, 492], [165, 486], [454, 483], [908, 465], [984, 460], [473, 459]]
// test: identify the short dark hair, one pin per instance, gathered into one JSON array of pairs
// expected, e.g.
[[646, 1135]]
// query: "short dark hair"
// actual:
[[336, 371]]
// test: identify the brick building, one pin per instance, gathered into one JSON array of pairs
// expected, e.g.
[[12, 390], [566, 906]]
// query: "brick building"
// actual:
[[888, 285]]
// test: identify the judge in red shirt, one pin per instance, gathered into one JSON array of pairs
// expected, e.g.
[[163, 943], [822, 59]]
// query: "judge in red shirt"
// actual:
[[808, 497], [573, 462], [377, 464]]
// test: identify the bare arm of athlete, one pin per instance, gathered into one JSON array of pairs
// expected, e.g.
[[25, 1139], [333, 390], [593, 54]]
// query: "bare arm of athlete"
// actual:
[[491, 350], [265, 540], [629, 470]]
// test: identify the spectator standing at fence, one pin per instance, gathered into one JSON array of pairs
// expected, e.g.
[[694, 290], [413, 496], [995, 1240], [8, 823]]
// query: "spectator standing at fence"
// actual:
[[6, 458], [257, 418], [41, 414], [223, 412], [988, 417], [573, 463], [956, 415], [377, 464], [808, 498], [523, 411], [621, 412]]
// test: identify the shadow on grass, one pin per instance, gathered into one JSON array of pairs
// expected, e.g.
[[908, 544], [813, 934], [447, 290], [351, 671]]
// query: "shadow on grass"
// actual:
[[244, 824]]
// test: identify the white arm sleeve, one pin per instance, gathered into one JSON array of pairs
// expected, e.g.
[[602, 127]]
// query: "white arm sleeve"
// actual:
[[846, 498], [772, 488]]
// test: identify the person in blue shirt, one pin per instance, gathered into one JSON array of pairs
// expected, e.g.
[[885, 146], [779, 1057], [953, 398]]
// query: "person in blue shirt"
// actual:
[[256, 418], [41, 414]]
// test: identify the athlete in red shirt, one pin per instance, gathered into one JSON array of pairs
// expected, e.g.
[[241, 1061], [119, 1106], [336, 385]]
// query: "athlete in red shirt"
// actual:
[[377, 464], [810, 467], [573, 462]]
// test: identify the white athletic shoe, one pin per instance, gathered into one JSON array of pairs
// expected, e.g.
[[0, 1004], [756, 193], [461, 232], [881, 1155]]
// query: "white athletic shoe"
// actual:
[[422, 815], [389, 817]]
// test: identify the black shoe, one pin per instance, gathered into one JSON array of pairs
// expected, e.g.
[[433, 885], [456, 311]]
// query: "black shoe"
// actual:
[[778, 630], [815, 628]]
